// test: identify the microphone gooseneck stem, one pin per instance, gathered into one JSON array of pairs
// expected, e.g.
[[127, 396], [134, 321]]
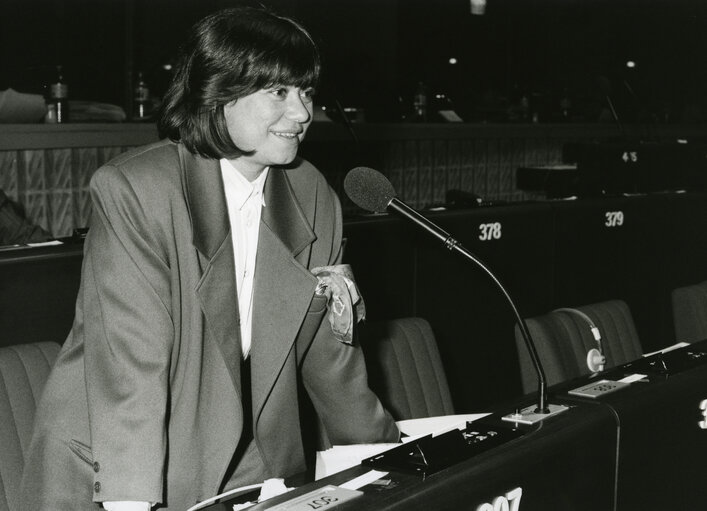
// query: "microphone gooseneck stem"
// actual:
[[542, 387], [452, 244], [615, 115], [411, 214], [347, 122]]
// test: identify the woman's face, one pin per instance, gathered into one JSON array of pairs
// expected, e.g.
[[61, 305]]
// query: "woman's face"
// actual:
[[270, 124]]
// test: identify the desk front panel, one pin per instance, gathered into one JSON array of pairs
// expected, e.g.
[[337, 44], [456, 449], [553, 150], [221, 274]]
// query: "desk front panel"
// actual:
[[662, 447], [567, 463]]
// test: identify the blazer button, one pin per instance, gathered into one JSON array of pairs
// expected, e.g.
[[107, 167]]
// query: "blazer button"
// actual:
[[96, 466], [97, 487]]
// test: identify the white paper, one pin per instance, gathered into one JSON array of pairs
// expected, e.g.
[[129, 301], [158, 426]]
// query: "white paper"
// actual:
[[669, 348], [45, 243], [437, 425], [231, 493], [341, 457]]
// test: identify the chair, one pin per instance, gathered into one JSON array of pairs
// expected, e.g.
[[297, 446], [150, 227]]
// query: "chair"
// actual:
[[564, 337], [405, 369], [23, 372], [690, 312]]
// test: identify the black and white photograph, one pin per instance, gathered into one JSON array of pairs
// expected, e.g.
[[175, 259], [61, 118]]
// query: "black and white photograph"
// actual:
[[361, 255]]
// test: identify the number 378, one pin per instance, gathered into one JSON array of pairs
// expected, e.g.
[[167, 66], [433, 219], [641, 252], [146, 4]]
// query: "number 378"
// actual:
[[490, 231]]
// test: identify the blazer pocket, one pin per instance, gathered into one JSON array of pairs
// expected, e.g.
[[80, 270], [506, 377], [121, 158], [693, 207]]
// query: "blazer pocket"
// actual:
[[81, 450], [310, 325]]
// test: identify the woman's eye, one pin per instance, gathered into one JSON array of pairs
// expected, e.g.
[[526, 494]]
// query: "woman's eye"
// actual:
[[280, 92], [307, 94]]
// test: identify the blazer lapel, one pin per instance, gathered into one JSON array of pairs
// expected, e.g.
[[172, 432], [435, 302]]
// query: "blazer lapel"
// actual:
[[211, 237], [283, 286], [281, 299]]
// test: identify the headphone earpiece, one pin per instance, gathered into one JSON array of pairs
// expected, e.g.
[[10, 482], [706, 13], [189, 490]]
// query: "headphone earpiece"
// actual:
[[595, 356]]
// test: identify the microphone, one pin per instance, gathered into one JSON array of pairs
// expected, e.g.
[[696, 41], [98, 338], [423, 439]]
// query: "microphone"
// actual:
[[347, 122], [605, 87], [651, 122], [371, 190]]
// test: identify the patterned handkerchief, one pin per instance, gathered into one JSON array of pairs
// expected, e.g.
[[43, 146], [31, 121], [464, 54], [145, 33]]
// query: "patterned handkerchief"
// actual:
[[345, 303]]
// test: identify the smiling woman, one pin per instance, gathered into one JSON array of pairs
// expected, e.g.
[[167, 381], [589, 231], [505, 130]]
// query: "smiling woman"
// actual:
[[186, 368], [260, 84], [267, 126]]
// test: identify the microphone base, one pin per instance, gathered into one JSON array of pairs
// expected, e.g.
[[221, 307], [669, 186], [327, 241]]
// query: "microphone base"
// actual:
[[530, 415]]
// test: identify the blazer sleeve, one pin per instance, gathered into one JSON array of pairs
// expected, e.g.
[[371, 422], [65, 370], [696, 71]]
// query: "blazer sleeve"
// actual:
[[334, 373], [128, 335]]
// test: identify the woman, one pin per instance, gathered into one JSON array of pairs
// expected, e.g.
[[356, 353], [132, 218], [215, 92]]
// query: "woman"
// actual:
[[199, 316]]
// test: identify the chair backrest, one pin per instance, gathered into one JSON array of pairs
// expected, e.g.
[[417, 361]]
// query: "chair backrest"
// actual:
[[23, 372], [690, 312], [563, 338], [405, 369]]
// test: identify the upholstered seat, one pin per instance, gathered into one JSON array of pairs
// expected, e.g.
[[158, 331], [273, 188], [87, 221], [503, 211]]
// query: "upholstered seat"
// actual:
[[564, 336], [690, 312], [23, 373], [405, 368]]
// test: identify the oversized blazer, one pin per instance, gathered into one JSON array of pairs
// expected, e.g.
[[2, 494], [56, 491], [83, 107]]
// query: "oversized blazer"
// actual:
[[144, 402]]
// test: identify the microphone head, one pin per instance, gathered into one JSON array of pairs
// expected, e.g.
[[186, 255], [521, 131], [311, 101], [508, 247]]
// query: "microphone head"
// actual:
[[369, 189]]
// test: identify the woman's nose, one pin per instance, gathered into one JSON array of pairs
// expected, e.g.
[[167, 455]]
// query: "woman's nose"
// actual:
[[298, 108]]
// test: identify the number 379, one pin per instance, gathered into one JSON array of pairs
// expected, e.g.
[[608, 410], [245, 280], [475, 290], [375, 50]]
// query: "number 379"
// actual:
[[614, 218]]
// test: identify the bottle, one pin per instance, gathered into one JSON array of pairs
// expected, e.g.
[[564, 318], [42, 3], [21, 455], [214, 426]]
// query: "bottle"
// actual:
[[50, 116], [141, 99], [420, 103], [524, 108], [565, 105], [402, 112], [58, 99]]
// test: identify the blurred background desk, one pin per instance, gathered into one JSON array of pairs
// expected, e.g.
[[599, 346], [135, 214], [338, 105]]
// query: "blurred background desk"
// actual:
[[47, 167], [38, 292], [549, 254]]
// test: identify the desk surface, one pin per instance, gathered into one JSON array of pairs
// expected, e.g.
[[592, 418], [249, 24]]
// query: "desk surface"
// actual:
[[485, 477], [615, 452]]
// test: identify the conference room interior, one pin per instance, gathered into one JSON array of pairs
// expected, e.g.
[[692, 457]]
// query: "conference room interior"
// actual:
[[539, 280]]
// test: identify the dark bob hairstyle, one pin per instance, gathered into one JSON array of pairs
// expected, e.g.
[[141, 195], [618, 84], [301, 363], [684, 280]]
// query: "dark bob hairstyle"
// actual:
[[228, 55]]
